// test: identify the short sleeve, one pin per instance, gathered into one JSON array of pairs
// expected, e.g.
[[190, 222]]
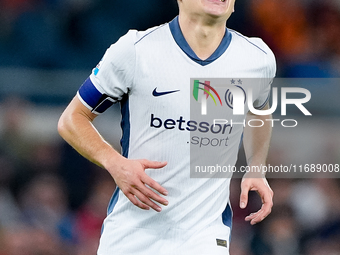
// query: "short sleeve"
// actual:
[[268, 78], [112, 78]]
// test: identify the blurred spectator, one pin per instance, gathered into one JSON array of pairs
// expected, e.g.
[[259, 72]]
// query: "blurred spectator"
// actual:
[[285, 25], [44, 202], [305, 195], [17, 240], [54, 34], [10, 214], [45, 157], [282, 233], [89, 218], [325, 22], [327, 247], [303, 34], [30, 241], [13, 140]]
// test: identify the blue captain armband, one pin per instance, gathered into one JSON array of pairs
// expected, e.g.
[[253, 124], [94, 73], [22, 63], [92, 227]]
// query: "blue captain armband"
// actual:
[[93, 99]]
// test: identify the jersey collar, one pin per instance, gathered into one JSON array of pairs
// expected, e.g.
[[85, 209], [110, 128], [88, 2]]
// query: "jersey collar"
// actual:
[[182, 43]]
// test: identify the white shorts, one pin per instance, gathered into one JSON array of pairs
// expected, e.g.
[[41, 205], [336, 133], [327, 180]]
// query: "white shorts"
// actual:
[[214, 239]]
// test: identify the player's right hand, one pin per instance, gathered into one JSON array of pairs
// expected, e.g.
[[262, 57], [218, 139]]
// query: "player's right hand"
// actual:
[[132, 180]]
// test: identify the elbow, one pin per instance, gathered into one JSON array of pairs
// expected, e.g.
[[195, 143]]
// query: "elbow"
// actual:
[[62, 126]]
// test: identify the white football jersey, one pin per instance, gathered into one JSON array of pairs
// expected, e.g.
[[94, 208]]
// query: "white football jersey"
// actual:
[[149, 73]]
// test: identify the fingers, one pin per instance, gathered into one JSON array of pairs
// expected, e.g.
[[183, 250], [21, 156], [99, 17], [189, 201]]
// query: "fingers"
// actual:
[[141, 189], [150, 193], [266, 194], [244, 194], [146, 201], [152, 164], [267, 200], [149, 181], [261, 214], [137, 202], [144, 197], [155, 185]]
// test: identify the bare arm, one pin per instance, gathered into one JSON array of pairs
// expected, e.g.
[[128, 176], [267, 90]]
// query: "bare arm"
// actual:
[[75, 126], [256, 145]]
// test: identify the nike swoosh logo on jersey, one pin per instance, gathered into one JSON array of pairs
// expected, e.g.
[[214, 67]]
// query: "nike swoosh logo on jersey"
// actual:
[[155, 93]]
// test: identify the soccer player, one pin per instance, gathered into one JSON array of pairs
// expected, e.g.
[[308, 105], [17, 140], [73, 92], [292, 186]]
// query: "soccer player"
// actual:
[[149, 74]]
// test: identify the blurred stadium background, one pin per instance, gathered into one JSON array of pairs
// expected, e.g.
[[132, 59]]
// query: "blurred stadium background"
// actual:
[[52, 201]]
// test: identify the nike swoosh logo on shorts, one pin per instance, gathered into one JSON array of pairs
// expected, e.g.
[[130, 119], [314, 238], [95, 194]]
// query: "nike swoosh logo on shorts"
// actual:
[[155, 93]]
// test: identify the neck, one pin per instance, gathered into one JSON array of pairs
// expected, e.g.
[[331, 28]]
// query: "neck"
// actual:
[[203, 36]]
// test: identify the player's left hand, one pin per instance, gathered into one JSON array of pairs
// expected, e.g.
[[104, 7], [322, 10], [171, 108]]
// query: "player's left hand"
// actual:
[[261, 186]]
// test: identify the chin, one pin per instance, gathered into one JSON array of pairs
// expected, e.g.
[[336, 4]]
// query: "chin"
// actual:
[[219, 15], [218, 9]]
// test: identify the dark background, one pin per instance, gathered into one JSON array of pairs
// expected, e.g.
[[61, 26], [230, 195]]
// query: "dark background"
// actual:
[[52, 201]]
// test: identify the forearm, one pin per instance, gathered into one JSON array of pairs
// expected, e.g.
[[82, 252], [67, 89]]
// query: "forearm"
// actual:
[[256, 145], [76, 128], [256, 140]]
